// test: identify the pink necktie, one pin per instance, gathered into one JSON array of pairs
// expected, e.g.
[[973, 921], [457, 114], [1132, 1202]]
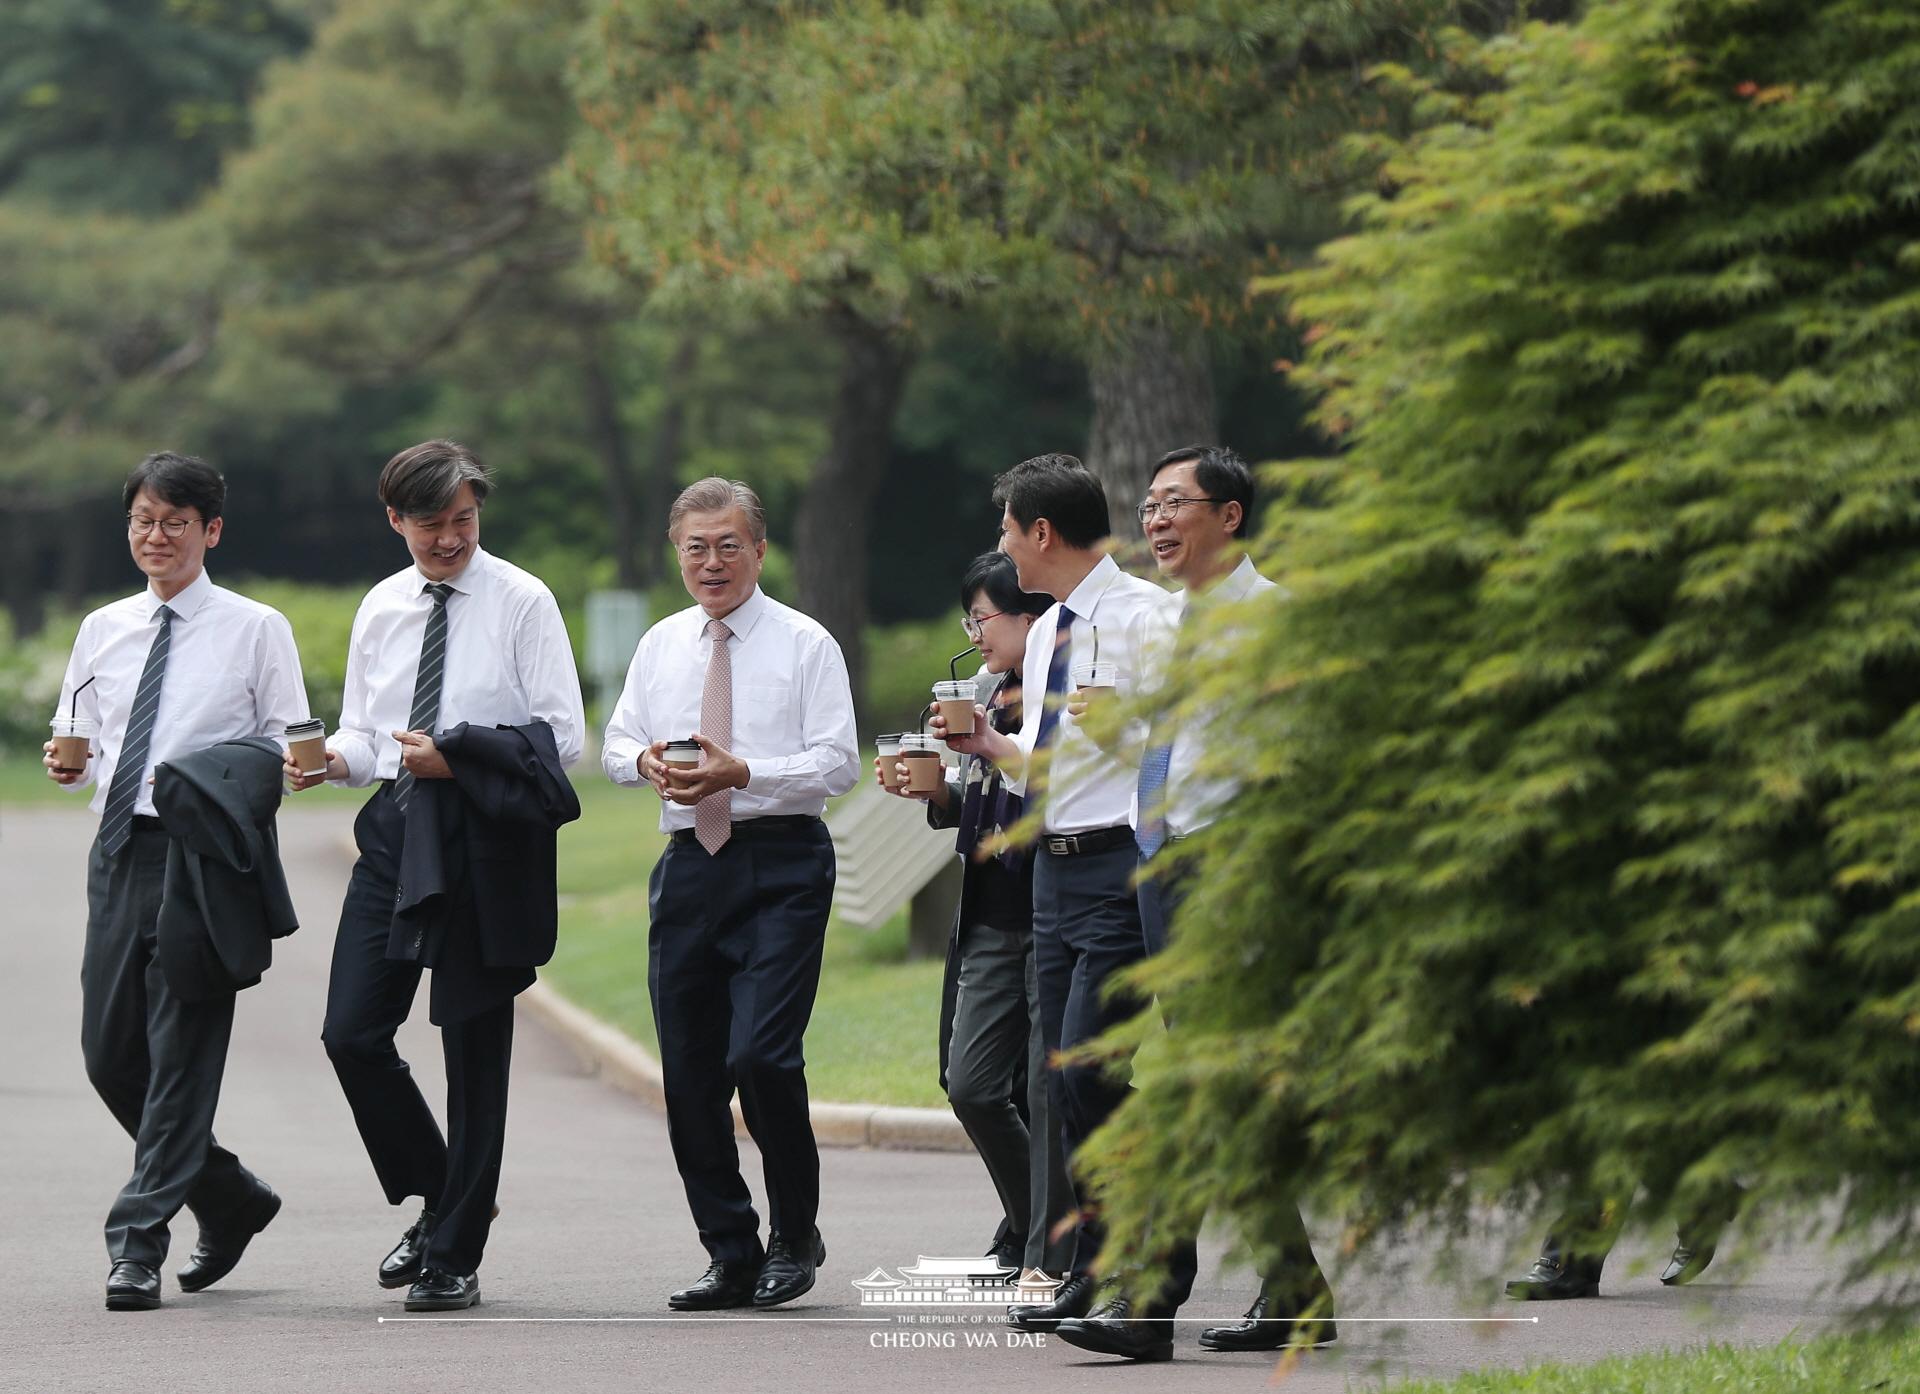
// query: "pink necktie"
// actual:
[[713, 815]]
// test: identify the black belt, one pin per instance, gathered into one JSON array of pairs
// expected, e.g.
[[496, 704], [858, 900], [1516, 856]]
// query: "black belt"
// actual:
[[146, 823], [1078, 844], [761, 827]]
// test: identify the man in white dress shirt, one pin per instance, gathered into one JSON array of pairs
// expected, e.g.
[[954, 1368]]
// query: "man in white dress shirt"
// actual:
[[1086, 919], [1195, 515], [739, 899], [179, 667], [459, 636]]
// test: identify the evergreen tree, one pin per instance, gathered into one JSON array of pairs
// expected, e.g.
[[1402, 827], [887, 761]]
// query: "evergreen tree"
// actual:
[[1579, 846]]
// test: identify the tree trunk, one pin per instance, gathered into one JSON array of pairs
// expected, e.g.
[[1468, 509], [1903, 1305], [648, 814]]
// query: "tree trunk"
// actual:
[[836, 507], [1152, 392], [609, 435], [662, 483]]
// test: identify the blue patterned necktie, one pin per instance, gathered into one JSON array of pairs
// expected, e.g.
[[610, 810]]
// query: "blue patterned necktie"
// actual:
[[1056, 694], [1152, 791], [116, 821], [427, 681]]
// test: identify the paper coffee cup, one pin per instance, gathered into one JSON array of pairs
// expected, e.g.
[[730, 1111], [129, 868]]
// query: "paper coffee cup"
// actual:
[[888, 749], [307, 744], [1096, 675], [921, 756], [72, 743], [685, 753], [955, 700]]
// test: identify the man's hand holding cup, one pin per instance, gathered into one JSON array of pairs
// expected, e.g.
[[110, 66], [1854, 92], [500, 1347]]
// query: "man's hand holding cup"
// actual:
[[718, 769], [297, 779]]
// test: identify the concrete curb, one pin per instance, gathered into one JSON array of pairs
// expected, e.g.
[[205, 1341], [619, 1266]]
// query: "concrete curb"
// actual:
[[629, 1066]]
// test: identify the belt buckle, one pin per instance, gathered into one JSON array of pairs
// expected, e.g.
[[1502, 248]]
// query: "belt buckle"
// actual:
[[1063, 844]]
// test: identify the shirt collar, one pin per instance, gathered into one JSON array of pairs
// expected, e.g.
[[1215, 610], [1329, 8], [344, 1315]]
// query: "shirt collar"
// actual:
[[184, 605], [743, 619], [470, 581], [1231, 588], [1086, 596]]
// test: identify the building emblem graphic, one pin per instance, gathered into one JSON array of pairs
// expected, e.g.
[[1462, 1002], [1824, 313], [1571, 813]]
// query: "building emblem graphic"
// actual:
[[954, 1282]]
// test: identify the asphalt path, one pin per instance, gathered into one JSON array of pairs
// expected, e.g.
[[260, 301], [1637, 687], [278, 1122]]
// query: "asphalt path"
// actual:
[[594, 1230]]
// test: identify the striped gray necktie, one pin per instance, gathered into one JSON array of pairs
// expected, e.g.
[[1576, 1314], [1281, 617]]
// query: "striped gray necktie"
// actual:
[[116, 822], [426, 683]]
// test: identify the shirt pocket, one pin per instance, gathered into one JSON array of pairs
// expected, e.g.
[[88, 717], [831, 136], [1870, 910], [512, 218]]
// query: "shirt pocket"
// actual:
[[766, 717]]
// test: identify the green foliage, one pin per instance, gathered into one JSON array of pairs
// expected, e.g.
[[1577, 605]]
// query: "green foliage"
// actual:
[[1578, 845], [128, 105]]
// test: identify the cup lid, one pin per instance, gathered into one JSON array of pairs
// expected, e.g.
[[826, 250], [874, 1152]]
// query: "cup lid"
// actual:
[[950, 688], [306, 728], [913, 740], [683, 745]]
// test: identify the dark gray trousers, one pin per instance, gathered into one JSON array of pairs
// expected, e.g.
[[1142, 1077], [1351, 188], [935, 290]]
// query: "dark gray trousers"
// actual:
[[155, 1060], [996, 1025]]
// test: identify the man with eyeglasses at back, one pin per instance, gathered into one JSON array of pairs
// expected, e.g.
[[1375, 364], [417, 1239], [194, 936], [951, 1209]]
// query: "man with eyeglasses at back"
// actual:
[[181, 666], [757, 696], [1195, 516]]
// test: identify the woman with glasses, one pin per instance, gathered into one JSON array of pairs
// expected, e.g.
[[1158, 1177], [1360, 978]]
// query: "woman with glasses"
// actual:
[[991, 1062]]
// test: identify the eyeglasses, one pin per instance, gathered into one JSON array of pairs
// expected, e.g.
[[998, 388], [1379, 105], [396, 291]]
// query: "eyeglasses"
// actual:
[[1167, 508], [974, 623], [174, 528], [727, 551]]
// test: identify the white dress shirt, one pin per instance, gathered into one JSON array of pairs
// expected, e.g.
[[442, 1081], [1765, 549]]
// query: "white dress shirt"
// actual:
[[792, 708], [232, 671], [1196, 790], [508, 663], [1086, 788]]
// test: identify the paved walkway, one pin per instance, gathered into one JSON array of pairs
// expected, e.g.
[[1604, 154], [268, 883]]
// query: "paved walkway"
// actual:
[[594, 1227]]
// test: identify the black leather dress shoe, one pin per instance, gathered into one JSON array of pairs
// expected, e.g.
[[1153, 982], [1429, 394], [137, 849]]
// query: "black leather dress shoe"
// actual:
[[789, 1269], [132, 1287], [1113, 1329], [1258, 1331], [443, 1292], [724, 1284], [401, 1268], [217, 1250], [1555, 1275], [1073, 1298], [1689, 1261]]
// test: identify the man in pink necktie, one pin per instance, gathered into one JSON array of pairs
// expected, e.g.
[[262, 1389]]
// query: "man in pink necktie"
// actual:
[[755, 698]]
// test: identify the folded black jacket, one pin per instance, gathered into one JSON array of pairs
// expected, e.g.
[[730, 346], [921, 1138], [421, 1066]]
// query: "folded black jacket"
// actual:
[[478, 872], [224, 900]]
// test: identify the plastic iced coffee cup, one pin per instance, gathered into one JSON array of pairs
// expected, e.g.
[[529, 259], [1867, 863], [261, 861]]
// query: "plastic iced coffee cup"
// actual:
[[1096, 679], [307, 744], [888, 749], [72, 743], [955, 700], [685, 754], [921, 756]]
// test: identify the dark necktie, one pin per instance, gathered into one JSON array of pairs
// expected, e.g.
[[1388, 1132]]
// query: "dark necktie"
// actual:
[[1056, 695], [427, 682], [116, 822]]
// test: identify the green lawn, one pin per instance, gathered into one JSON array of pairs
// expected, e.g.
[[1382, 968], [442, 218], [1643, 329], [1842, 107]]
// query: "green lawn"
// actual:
[[1887, 1364], [873, 1034]]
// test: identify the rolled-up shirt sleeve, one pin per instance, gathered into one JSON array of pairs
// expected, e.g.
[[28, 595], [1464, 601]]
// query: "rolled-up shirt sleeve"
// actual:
[[354, 742], [629, 732], [828, 763], [279, 686], [544, 654], [79, 680]]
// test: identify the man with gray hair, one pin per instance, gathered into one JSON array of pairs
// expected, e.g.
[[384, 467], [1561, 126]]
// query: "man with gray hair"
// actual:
[[458, 639], [739, 713]]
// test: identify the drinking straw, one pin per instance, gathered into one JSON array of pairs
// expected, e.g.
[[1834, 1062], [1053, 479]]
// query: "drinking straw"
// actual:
[[1096, 644], [73, 708], [953, 664]]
